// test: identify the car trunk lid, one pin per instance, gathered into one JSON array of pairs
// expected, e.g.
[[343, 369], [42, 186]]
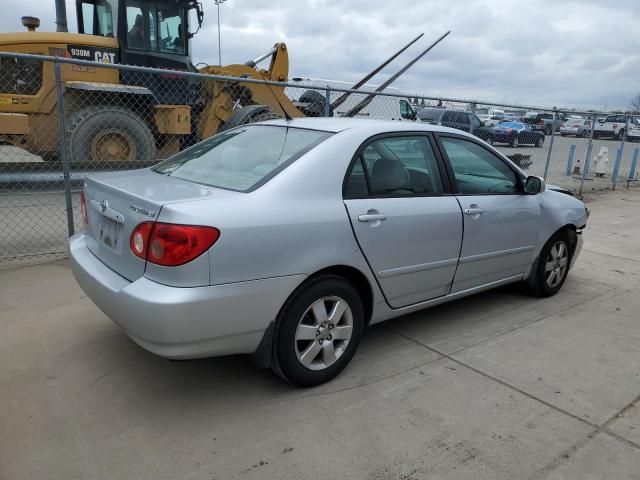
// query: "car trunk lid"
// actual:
[[117, 202]]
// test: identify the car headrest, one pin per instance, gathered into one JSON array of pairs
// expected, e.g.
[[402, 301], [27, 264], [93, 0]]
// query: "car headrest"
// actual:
[[388, 175]]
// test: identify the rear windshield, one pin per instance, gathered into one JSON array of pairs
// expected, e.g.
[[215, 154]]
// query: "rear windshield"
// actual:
[[242, 159]]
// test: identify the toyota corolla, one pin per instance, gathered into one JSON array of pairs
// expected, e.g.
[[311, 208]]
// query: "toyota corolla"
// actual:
[[286, 239]]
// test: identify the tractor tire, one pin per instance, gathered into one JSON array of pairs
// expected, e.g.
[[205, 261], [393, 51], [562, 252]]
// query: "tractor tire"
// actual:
[[108, 133], [316, 103], [248, 114]]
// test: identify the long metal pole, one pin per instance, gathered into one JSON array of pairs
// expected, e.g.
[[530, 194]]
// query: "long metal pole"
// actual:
[[553, 135], [619, 153], [585, 167], [219, 47], [340, 100], [368, 99], [62, 134]]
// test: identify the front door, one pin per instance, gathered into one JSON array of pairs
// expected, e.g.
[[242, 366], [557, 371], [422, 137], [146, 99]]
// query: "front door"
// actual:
[[501, 223], [409, 231]]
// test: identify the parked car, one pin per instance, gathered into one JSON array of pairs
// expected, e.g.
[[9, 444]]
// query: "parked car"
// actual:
[[633, 135], [580, 127], [381, 107], [286, 239], [494, 120], [458, 119], [614, 126], [545, 121], [516, 134]]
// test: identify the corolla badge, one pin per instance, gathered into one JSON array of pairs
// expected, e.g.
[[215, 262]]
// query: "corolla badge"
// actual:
[[143, 211]]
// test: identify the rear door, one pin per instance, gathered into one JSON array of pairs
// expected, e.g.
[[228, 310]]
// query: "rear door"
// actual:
[[408, 228], [501, 223]]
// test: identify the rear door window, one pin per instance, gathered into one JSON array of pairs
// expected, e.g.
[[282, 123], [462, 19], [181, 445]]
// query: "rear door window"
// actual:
[[242, 159], [395, 167]]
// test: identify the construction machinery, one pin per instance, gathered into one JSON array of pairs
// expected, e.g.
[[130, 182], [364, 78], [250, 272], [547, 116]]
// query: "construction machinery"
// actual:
[[123, 114]]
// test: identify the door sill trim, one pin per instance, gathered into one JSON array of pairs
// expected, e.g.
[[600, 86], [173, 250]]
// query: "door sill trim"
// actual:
[[460, 294]]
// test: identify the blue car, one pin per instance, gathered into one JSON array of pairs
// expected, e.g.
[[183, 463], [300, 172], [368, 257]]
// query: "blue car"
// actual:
[[516, 134]]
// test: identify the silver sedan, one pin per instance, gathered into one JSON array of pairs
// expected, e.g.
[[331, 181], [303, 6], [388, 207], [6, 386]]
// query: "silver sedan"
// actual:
[[286, 239]]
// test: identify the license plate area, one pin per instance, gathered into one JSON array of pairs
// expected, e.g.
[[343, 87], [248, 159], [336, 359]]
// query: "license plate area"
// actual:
[[110, 233]]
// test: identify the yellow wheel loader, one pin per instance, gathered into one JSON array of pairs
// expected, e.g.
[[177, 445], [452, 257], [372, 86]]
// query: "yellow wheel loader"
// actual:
[[120, 114]]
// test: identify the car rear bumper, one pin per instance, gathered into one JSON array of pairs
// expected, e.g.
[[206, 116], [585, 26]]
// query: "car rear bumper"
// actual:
[[177, 322], [573, 131]]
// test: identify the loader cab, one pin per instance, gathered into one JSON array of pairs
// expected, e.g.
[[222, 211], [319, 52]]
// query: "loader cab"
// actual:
[[151, 34]]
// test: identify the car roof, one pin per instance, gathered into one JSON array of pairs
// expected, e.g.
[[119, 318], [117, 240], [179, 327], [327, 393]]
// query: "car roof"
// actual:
[[339, 124]]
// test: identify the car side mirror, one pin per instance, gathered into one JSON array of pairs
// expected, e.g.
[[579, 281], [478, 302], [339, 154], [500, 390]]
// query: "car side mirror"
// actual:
[[534, 185]]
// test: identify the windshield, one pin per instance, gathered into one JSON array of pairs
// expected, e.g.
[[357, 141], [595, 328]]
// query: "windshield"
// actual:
[[97, 17], [430, 114], [510, 125], [242, 159]]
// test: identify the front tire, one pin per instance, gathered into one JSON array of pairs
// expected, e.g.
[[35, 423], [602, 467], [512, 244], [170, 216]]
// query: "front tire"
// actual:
[[317, 331], [108, 133], [515, 142], [552, 266]]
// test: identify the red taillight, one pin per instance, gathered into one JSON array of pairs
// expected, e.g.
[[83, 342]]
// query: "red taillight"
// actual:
[[83, 208], [140, 239], [171, 244]]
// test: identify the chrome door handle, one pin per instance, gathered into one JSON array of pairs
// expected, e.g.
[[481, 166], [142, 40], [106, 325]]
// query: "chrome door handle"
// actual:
[[372, 217], [473, 211]]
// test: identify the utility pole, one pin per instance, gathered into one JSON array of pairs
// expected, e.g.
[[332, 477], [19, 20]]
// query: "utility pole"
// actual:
[[218, 3]]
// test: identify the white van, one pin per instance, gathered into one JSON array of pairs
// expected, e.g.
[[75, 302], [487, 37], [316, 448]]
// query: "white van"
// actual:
[[381, 107]]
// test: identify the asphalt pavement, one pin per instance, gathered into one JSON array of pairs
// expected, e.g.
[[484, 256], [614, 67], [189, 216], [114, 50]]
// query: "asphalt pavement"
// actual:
[[495, 386]]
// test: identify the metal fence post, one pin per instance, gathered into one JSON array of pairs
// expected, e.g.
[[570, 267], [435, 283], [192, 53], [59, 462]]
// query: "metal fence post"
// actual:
[[634, 165], [616, 165], [473, 114], [587, 159], [327, 102], [553, 135], [62, 133], [572, 154], [616, 168]]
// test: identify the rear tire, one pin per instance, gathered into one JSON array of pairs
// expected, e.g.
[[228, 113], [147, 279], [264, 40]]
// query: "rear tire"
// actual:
[[515, 142], [547, 130], [316, 103], [310, 346], [620, 135], [551, 267], [540, 142], [248, 114], [107, 133]]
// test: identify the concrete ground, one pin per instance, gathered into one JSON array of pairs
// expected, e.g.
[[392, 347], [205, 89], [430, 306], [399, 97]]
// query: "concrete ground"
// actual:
[[496, 386]]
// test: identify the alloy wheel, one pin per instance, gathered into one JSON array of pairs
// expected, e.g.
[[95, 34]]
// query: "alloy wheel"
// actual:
[[323, 333], [556, 264]]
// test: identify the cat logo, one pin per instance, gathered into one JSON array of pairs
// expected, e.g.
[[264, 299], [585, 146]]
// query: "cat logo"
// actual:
[[105, 57]]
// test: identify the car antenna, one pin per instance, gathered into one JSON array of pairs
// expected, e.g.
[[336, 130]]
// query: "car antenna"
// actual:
[[369, 98], [254, 64]]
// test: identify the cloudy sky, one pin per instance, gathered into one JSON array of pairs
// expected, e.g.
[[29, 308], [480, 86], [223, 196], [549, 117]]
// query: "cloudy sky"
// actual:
[[569, 53]]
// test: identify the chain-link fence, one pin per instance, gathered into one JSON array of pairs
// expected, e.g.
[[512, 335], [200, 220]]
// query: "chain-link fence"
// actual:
[[61, 119]]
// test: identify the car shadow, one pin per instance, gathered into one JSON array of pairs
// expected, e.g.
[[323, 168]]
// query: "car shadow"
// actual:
[[386, 350]]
